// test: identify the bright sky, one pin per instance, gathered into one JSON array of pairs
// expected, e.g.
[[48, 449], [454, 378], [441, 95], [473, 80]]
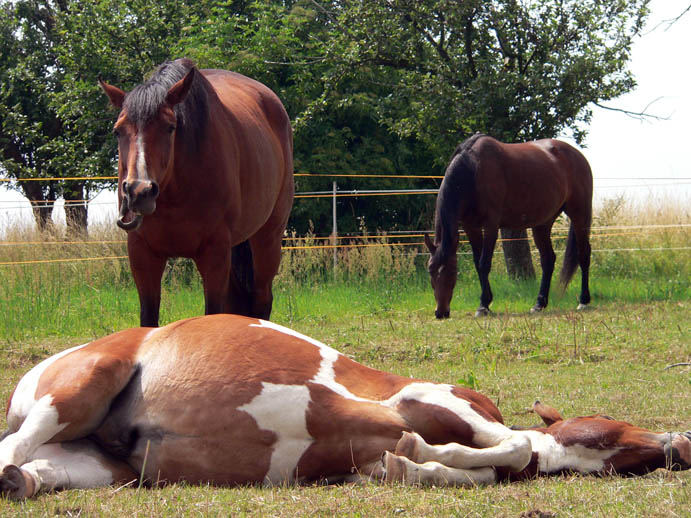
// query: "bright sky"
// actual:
[[629, 157], [622, 147]]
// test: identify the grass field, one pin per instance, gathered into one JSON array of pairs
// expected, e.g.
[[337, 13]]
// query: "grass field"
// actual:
[[378, 309]]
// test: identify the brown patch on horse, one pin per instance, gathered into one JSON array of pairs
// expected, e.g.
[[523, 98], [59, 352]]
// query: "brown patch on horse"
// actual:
[[93, 376], [366, 382]]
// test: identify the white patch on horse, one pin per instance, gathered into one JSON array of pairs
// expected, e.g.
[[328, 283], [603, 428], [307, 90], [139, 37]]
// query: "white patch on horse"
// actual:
[[282, 410], [325, 376], [553, 457], [486, 433], [141, 158], [53, 466], [39, 426], [24, 397]]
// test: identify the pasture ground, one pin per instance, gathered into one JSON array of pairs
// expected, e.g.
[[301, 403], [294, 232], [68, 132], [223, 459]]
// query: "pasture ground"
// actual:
[[610, 359], [378, 309]]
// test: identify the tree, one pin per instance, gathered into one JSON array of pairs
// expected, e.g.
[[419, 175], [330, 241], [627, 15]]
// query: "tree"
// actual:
[[515, 70], [29, 127]]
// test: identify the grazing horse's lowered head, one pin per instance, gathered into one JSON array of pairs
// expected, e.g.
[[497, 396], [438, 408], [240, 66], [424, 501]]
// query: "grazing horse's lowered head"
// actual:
[[150, 116], [230, 400]]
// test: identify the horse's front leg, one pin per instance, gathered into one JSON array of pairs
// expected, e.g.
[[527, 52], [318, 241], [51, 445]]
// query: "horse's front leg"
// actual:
[[71, 465], [147, 269], [214, 264]]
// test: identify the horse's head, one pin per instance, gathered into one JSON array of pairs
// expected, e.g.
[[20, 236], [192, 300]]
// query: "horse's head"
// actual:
[[145, 130], [601, 443], [443, 273]]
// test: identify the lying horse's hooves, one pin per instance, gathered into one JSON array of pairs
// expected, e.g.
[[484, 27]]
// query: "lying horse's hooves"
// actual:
[[482, 312], [408, 446], [15, 484]]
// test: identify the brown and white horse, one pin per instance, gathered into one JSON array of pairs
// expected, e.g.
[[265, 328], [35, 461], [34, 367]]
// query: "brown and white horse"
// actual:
[[228, 400]]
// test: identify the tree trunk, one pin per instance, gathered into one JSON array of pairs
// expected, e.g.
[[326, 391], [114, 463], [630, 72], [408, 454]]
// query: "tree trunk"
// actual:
[[42, 202], [76, 208], [519, 263]]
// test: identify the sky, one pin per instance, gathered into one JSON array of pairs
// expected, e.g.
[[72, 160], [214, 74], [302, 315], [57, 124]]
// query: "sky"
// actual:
[[637, 159]]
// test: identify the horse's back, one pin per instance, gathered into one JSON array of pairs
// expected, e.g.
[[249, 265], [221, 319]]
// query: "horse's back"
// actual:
[[529, 182], [241, 95]]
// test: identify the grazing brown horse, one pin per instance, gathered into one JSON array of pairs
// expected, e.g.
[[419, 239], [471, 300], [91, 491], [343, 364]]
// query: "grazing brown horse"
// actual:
[[227, 400], [205, 168], [490, 185]]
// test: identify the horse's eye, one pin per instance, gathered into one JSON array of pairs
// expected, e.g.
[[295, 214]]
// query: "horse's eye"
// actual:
[[116, 133], [171, 128]]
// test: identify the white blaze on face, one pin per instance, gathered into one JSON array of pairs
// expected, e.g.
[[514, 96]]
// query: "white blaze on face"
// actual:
[[554, 457], [141, 157]]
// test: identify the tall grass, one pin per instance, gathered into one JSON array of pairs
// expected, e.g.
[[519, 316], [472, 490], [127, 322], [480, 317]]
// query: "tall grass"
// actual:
[[631, 261]]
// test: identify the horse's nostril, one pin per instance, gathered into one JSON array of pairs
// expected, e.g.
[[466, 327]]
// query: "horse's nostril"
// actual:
[[154, 190], [125, 186]]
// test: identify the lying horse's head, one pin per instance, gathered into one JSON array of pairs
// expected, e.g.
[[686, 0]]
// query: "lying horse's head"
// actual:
[[146, 128]]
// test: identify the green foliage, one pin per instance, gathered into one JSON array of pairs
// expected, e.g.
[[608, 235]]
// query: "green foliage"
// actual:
[[371, 87]]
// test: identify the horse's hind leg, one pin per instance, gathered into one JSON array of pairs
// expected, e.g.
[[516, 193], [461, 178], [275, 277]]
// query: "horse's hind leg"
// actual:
[[482, 257], [402, 469], [266, 255], [543, 242], [514, 452], [583, 244], [71, 465]]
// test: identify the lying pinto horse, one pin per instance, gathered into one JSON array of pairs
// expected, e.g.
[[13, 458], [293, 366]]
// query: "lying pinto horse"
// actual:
[[228, 400]]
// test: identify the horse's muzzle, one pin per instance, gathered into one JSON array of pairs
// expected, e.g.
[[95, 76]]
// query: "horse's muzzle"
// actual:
[[678, 451], [139, 200], [128, 220]]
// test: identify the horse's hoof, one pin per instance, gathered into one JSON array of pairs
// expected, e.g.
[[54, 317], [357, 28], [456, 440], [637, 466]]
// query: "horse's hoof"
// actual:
[[537, 308], [581, 307], [16, 484], [395, 468], [407, 446], [482, 312]]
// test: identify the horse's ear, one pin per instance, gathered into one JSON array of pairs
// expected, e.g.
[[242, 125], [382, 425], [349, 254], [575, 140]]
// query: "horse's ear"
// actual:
[[430, 245], [548, 414], [179, 90], [116, 96]]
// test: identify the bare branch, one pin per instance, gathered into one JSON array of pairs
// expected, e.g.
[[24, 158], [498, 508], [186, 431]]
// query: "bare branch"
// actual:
[[682, 364], [641, 115], [677, 18]]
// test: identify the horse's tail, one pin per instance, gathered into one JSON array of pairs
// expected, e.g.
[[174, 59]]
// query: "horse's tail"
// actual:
[[241, 279], [571, 256]]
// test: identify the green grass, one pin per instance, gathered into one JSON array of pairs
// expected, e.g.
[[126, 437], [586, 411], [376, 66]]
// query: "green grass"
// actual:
[[609, 359], [378, 309]]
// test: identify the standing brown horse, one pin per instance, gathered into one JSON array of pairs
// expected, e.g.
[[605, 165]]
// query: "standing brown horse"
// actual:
[[205, 171], [490, 185]]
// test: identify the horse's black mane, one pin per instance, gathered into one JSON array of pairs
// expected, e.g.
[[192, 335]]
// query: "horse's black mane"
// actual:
[[144, 101], [457, 187]]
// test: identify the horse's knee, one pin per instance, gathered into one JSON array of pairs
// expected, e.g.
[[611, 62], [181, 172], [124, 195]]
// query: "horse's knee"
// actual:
[[520, 452]]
